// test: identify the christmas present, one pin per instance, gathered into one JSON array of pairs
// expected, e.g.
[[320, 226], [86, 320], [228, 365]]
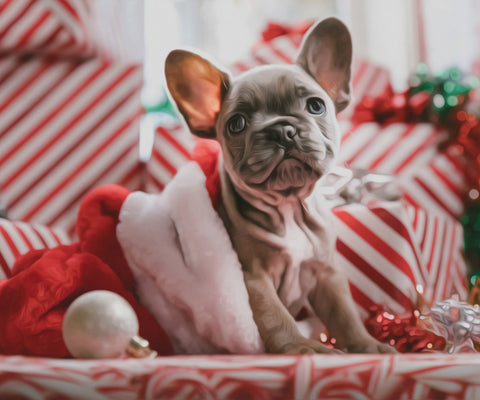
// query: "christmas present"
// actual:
[[18, 238], [75, 127], [437, 115], [58, 27], [427, 177], [393, 253], [172, 148]]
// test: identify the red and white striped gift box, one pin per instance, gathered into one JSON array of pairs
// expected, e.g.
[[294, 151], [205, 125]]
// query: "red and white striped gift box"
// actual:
[[172, 147], [428, 178], [46, 26], [17, 238], [390, 251], [65, 126]]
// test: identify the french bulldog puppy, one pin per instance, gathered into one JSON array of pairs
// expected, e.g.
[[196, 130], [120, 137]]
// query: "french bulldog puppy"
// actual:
[[279, 135]]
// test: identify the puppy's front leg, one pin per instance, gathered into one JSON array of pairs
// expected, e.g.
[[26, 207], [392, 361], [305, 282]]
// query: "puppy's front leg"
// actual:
[[334, 305], [277, 327]]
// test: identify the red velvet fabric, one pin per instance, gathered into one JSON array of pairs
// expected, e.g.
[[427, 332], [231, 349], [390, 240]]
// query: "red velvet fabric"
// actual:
[[45, 282], [205, 154]]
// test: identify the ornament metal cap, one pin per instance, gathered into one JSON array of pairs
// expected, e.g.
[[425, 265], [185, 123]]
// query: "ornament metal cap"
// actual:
[[138, 347]]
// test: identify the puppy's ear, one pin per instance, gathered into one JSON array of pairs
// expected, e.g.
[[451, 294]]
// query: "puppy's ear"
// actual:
[[326, 54], [197, 87]]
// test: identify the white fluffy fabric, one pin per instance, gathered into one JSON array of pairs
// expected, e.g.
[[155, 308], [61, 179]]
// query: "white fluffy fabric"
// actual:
[[187, 273]]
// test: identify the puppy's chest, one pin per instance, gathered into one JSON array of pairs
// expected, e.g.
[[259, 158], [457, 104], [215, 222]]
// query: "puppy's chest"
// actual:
[[299, 242], [295, 253]]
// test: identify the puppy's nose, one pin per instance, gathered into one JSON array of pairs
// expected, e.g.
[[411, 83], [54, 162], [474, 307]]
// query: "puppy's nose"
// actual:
[[289, 131], [283, 132]]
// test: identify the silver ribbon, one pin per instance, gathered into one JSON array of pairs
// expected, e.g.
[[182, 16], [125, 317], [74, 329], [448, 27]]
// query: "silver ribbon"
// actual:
[[458, 322], [346, 186]]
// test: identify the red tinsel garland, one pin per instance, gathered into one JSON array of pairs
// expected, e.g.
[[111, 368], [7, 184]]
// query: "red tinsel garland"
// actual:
[[402, 332]]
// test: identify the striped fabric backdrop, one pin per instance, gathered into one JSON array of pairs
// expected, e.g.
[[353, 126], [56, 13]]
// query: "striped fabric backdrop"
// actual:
[[428, 178], [17, 238], [65, 126], [49, 26]]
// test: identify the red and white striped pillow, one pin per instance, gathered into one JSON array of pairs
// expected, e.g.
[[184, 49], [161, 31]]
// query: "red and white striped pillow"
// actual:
[[17, 238], [45, 26]]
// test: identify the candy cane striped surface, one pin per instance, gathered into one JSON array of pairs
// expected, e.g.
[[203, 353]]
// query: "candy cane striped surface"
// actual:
[[17, 238], [65, 126], [373, 376], [427, 177], [48, 26]]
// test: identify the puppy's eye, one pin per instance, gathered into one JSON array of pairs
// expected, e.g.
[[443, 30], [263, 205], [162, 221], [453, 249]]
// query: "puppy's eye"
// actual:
[[315, 106], [237, 124]]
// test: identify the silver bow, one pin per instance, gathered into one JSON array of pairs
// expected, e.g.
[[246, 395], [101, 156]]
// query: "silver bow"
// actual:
[[346, 186], [458, 322]]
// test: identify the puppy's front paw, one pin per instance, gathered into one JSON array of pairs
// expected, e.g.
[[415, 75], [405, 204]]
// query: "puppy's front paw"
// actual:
[[308, 346], [370, 345]]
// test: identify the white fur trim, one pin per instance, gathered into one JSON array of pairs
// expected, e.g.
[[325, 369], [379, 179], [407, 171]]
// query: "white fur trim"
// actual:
[[186, 271]]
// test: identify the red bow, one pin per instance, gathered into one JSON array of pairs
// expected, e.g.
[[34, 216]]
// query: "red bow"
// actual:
[[274, 30]]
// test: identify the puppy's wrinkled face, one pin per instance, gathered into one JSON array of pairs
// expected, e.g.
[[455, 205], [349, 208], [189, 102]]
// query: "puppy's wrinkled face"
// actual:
[[278, 130], [276, 124]]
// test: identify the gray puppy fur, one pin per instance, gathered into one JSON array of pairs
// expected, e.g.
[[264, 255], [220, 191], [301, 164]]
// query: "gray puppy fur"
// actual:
[[279, 135]]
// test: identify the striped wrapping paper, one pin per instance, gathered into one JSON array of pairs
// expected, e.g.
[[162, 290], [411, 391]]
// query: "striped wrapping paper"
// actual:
[[427, 177], [65, 126], [390, 251], [47, 26], [17, 238], [172, 146]]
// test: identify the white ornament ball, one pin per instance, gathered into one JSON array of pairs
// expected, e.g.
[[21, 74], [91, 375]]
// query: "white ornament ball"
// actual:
[[99, 324]]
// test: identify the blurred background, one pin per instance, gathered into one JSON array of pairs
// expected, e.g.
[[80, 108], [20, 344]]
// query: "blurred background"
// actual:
[[397, 34]]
